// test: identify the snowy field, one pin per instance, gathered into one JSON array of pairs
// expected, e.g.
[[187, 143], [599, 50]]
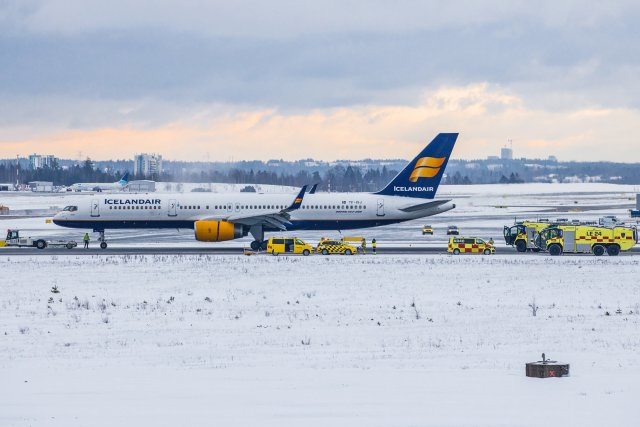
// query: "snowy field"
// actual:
[[290, 341]]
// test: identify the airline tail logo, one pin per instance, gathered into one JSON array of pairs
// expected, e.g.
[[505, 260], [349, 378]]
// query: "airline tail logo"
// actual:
[[297, 200], [426, 167]]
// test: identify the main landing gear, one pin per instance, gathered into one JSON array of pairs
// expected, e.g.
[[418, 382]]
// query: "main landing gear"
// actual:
[[101, 239], [258, 233], [259, 245]]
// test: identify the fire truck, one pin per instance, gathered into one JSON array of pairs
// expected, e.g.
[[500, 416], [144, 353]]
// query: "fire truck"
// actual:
[[522, 235], [559, 239]]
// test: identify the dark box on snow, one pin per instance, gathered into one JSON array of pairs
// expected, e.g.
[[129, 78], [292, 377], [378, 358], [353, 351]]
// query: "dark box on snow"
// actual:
[[547, 369]]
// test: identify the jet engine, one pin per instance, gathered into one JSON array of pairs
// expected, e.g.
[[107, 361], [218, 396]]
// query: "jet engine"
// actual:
[[217, 231]]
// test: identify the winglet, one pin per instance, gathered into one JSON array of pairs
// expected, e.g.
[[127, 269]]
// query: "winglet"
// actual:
[[298, 200], [313, 189]]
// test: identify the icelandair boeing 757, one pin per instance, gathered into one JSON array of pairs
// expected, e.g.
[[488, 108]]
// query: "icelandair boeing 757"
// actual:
[[219, 217]]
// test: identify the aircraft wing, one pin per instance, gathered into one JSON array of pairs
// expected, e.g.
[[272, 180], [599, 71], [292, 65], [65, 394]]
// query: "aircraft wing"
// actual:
[[424, 206], [277, 219]]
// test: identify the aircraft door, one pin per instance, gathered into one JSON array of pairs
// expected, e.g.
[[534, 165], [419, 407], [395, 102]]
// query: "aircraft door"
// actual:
[[173, 208], [95, 208], [380, 211]]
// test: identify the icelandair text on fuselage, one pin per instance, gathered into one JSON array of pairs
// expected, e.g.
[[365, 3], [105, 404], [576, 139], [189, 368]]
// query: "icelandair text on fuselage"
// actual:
[[412, 188], [132, 202]]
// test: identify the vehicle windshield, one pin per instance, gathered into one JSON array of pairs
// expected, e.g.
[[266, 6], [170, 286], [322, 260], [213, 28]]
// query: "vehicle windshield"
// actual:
[[70, 208]]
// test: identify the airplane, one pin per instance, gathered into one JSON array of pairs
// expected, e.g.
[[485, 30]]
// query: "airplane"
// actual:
[[221, 217], [100, 186]]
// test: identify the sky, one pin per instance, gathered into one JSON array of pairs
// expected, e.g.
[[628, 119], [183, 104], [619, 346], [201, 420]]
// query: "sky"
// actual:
[[331, 79]]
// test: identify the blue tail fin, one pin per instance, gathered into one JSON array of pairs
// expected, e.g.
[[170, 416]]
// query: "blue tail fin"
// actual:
[[421, 177], [124, 180]]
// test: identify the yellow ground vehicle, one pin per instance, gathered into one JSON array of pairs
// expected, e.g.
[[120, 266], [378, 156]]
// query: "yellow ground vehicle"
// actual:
[[472, 245], [288, 245], [586, 239], [427, 229], [522, 235], [328, 247], [359, 242]]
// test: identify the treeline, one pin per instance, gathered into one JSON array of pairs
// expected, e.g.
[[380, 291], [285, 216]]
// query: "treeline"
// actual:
[[337, 178], [59, 176]]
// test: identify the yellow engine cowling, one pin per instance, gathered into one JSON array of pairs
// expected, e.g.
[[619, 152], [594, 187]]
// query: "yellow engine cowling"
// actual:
[[217, 231]]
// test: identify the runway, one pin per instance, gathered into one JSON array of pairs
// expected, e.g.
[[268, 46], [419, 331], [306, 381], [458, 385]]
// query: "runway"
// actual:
[[166, 250]]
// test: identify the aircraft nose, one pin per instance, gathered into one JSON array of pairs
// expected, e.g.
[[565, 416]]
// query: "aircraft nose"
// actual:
[[57, 218]]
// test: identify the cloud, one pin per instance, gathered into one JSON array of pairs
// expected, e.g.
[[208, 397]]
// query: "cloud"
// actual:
[[387, 73], [485, 116]]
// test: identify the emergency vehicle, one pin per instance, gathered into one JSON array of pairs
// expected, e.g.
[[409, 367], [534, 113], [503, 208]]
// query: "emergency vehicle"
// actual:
[[328, 247], [586, 239], [452, 230], [469, 245], [288, 245], [522, 235]]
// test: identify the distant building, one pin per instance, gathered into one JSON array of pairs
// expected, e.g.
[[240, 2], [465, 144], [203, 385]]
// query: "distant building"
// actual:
[[147, 165], [41, 186], [493, 158], [141, 186], [37, 161], [506, 153], [553, 159]]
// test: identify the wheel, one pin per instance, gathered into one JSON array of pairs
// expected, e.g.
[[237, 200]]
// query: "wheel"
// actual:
[[306, 252], [555, 249], [598, 250], [263, 245], [521, 246], [41, 244], [348, 252], [69, 245], [456, 251], [255, 245], [103, 245], [613, 250], [487, 252], [325, 252]]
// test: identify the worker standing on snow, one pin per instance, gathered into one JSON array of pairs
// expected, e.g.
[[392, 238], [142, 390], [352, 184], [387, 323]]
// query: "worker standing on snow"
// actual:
[[373, 246], [86, 240], [491, 241], [364, 246]]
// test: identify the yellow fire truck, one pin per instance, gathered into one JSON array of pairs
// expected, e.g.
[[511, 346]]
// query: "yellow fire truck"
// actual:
[[522, 235], [560, 239]]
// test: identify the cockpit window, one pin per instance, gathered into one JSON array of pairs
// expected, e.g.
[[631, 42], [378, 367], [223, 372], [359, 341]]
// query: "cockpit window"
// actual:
[[70, 208]]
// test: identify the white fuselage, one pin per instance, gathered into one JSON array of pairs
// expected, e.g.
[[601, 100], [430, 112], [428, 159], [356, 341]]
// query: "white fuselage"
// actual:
[[320, 211], [96, 186]]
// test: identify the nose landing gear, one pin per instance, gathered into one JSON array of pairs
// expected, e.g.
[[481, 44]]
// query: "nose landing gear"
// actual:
[[102, 240]]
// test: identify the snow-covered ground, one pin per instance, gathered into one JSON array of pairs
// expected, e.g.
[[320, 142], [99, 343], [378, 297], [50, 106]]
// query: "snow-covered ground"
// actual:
[[289, 341]]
